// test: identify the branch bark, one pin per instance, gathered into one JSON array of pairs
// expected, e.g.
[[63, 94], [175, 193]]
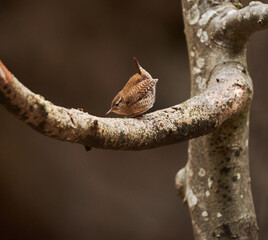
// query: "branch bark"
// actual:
[[246, 20], [195, 117]]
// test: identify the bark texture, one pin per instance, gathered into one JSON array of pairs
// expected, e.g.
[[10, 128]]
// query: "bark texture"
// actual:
[[195, 117], [216, 182]]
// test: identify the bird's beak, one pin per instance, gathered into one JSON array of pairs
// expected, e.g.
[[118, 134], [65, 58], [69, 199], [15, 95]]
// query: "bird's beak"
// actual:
[[109, 111]]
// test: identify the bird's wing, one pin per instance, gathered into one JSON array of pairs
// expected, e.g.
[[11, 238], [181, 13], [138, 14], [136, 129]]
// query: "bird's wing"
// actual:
[[140, 90]]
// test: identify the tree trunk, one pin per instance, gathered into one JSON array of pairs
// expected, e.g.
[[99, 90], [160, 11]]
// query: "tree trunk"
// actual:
[[216, 181]]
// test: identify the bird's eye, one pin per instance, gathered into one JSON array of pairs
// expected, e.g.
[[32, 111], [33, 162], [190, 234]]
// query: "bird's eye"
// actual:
[[117, 102]]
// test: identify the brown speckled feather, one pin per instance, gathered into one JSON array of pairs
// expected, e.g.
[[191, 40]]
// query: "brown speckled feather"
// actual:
[[137, 96], [139, 91]]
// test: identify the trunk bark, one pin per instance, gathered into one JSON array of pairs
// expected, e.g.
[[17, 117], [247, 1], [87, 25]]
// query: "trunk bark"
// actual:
[[216, 180]]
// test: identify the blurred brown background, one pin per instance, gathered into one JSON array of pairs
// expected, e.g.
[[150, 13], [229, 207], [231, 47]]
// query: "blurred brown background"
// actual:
[[79, 54]]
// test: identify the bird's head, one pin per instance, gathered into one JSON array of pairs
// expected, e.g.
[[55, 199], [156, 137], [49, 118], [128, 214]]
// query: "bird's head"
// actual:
[[117, 105]]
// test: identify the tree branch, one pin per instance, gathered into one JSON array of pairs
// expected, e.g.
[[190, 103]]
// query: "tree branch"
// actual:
[[244, 21], [227, 96]]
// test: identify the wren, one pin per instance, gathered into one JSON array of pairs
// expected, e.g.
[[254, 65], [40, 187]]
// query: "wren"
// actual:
[[137, 96]]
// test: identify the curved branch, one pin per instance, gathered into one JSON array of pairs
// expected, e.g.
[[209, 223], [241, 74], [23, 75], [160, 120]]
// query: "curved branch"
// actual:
[[245, 21], [228, 95]]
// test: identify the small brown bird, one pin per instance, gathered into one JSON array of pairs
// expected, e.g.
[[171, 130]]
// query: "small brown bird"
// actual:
[[137, 96]]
